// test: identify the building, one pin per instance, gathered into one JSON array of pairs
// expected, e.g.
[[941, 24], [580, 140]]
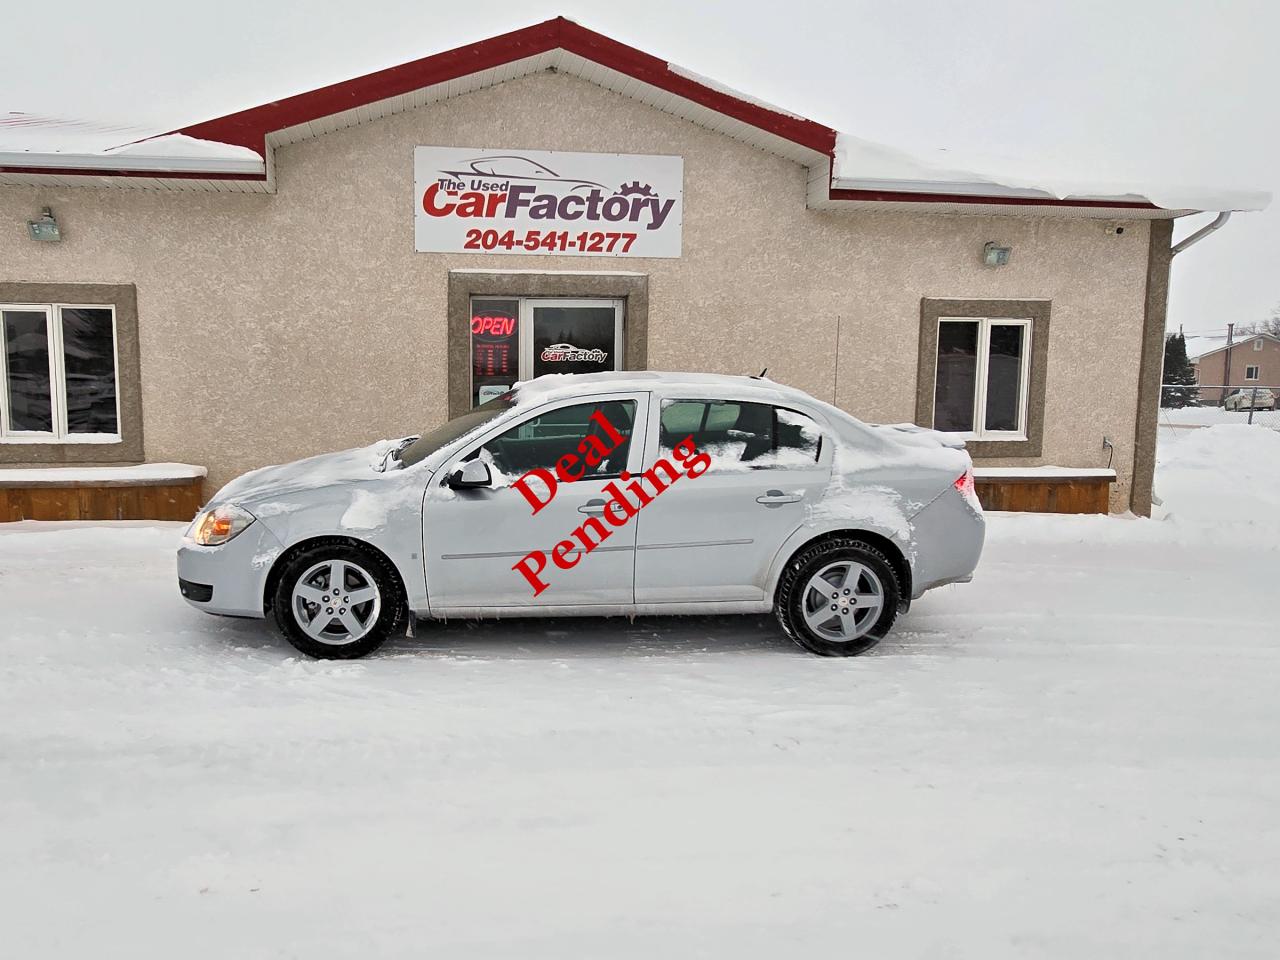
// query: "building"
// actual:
[[362, 260], [1252, 361]]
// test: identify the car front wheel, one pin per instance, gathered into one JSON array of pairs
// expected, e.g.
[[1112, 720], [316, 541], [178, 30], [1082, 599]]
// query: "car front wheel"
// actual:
[[838, 598], [337, 602]]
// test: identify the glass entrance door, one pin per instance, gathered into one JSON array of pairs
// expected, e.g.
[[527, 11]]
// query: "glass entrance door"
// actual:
[[572, 336], [516, 338]]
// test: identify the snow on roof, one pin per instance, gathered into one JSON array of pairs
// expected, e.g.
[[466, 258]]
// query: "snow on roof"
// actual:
[[32, 133], [860, 170], [864, 165], [1198, 347], [28, 139]]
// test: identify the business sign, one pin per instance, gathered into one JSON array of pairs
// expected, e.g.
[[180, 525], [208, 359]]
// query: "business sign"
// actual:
[[500, 200]]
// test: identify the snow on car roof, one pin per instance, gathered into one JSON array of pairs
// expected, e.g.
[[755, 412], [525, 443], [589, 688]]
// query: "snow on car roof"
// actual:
[[556, 384]]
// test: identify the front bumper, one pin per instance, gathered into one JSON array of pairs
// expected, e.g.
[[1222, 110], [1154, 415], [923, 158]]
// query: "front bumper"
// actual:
[[231, 576]]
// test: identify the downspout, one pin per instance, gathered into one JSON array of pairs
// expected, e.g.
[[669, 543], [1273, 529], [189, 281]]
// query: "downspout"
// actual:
[[1159, 264], [1203, 232]]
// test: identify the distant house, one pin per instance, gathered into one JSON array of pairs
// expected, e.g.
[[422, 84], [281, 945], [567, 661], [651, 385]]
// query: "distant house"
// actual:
[[1255, 362]]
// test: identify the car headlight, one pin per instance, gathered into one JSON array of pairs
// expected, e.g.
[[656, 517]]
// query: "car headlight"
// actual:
[[217, 526]]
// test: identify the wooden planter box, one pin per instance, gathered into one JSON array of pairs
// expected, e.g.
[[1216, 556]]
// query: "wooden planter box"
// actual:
[[1044, 491], [106, 493]]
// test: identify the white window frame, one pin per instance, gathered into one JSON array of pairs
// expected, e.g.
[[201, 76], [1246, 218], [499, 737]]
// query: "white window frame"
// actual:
[[1257, 345], [524, 330], [57, 377], [1253, 375], [980, 385]]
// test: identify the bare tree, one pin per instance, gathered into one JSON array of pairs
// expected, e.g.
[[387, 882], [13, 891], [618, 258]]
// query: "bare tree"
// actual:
[[1270, 325]]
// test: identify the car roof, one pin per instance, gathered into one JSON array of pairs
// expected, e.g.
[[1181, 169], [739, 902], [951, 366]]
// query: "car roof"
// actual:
[[622, 380]]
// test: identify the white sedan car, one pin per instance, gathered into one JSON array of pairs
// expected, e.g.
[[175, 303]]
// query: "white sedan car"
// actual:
[[599, 494], [1250, 398]]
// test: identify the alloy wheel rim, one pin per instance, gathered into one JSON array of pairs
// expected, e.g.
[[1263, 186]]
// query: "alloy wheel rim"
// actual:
[[843, 601], [336, 602]]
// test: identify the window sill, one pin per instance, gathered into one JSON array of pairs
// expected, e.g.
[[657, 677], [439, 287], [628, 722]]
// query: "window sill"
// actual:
[[76, 440], [990, 438]]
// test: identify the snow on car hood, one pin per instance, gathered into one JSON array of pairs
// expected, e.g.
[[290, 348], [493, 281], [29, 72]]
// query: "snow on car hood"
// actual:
[[915, 435], [269, 484]]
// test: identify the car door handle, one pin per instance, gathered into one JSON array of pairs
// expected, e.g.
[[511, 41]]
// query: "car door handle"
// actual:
[[592, 506], [776, 498]]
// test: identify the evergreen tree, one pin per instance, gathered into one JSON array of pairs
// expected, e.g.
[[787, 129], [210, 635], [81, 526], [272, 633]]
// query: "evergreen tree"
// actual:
[[1178, 372]]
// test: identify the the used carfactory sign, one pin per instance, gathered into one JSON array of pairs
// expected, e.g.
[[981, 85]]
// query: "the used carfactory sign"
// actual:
[[498, 200]]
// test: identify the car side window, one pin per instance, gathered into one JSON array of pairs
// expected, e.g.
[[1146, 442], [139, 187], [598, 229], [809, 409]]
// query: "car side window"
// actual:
[[742, 436], [542, 440]]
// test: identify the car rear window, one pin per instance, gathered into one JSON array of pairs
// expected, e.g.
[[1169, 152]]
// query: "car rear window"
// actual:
[[743, 435]]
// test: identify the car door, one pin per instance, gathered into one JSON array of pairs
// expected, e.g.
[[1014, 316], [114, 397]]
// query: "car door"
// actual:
[[474, 539], [713, 537]]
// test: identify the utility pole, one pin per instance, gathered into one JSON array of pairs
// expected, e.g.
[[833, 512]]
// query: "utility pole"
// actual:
[[1226, 370]]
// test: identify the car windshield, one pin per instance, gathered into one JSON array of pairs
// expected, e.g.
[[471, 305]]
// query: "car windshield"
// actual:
[[451, 430]]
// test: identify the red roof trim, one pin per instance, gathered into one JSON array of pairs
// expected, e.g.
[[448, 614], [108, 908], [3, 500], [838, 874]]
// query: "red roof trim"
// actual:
[[249, 128], [838, 193], [157, 174]]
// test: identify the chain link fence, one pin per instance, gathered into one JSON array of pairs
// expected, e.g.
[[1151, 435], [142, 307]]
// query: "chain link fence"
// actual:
[[1203, 405]]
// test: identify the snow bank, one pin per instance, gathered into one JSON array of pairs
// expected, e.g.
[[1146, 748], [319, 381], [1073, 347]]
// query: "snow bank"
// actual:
[[1205, 416], [1226, 475]]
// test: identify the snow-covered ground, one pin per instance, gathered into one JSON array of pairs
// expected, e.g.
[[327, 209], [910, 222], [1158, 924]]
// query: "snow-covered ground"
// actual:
[[1210, 416], [1077, 755]]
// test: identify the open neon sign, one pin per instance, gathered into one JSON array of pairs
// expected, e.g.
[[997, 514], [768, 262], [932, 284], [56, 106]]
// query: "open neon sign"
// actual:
[[493, 326]]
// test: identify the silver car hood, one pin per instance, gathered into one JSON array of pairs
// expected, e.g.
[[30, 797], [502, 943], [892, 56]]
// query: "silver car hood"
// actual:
[[344, 468]]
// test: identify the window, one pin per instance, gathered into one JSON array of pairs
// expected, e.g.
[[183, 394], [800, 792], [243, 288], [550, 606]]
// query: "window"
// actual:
[[1257, 345], [542, 440], [747, 436], [58, 373], [980, 387], [1251, 372]]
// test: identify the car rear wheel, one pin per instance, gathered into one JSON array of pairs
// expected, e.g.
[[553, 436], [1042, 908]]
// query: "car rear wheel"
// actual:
[[838, 598], [336, 602]]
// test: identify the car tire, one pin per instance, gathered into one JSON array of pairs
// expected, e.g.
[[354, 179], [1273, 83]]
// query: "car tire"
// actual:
[[343, 624], [843, 632]]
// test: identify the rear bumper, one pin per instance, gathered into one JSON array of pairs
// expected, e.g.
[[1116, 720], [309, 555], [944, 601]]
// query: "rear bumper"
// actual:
[[949, 536], [228, 579]]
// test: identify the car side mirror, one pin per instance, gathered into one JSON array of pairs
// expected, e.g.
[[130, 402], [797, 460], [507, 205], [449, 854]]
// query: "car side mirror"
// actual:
[[472, 474]]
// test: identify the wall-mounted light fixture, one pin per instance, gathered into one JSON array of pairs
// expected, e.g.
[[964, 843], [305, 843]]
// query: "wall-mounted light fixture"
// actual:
[[44, 227], [994, 256]]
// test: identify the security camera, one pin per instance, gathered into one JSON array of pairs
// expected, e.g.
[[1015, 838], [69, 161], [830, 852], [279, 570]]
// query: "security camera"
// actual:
[[1115, 230]]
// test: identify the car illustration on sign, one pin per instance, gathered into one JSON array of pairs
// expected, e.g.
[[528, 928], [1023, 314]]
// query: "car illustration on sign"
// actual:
[[516, 168], [715, 494]]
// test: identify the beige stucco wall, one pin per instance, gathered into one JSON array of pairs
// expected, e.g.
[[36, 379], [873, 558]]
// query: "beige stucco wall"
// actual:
[[274, 327]]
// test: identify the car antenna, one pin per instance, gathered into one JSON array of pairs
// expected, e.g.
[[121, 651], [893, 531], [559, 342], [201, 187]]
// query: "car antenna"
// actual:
[[760, 375]]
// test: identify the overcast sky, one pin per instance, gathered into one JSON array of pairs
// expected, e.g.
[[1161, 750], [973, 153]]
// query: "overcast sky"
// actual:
[[1146, 90]]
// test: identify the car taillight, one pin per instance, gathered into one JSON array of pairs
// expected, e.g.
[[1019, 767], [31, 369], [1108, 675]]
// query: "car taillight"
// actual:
[[965, 485]]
